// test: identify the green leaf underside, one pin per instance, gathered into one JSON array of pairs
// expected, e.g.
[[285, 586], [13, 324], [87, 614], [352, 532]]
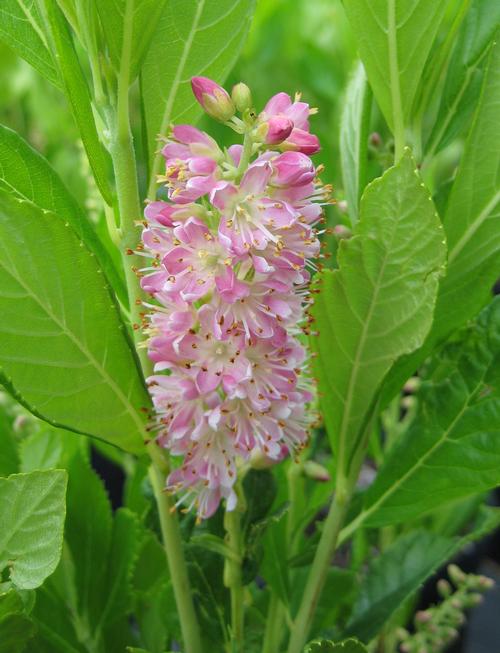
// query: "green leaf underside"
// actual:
[[378, 304], [130, 23], [394, 40], [75, 86], [25, 173], [452, 448], [327, 646], [192, 38], [33, 512], [463, 78], [397, 574], [21, 27], [354, 125], [62, 346], [472, 226]]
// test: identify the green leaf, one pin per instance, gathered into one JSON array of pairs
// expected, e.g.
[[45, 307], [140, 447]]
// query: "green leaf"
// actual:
[[33, 511], [452, 448], [193, 37], [42, 450], [62, 345], [354, 126], [123, 553], [327, 646], [472, 226], [15, 632], [9, 455], [22, 29], [394, 40], [26, 174], [464, 74], [378, 304], [128, 26], [75, 86], [88, 533], [399, 571]]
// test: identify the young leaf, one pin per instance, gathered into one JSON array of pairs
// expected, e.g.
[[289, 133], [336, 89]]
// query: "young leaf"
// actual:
[[452, 448], [472, 226], [378, 304], [33, 511], [128, 26], [76, 88], [354, 125], [326, 646], [398, 573], [394, 40], [63, 346], [25, 173], [22, 29], [463, 78], [193, 37]]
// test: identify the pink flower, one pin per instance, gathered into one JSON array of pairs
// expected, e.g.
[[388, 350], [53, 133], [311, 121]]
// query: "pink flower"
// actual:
[[213, 98], [298, 112], [279, 129]]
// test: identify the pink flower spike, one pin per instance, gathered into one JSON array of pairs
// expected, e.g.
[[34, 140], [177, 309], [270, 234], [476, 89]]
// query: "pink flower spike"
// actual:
[[214, 99]]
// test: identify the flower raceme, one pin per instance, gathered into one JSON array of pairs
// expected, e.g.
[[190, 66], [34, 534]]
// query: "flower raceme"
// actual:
[[229, 280]]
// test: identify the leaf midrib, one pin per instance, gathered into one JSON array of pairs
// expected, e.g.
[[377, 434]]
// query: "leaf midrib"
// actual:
[[86, 353], [173, 93], [362, 517]]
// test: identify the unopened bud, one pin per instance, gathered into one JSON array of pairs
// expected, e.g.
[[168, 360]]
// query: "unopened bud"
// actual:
[[375, 139], [412, 385], [213, 98], [444, 588], [241, 96], [486, 583], [473, 600], [456, 574], [279, 129], [20, 422], [423, 616], [342, 206], [317, 472], [342, 232]]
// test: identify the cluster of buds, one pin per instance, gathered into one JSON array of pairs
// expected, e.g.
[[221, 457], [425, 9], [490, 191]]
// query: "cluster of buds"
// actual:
[[437, 627], [230, 252]]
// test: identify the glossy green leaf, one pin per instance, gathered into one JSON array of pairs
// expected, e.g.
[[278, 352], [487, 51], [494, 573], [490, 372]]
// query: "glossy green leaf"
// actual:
[[22, 29], [128, 26], [394, 40], [33, 511], [326, 646], [354, 126], [378, 304], [400, 570], [452, 448], [76, 88], [25, 173], [194, 37], [472, 226], [464, 74], [88, 533], [123, 552], [62, 345]]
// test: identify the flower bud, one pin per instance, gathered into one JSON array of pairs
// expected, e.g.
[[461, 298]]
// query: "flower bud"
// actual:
[[444, 588], [423, 616], [486, 583], [213, 98], [242, 97], [317, 472], [279, 129], [342, 232], [456, 574]]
